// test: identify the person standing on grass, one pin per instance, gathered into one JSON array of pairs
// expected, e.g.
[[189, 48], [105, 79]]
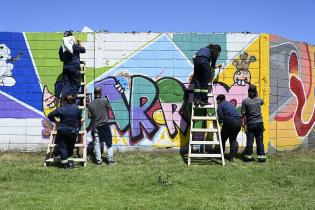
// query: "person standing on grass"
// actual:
[[251, 111], [100, 126], [230, 120], [67, 130], [204, 66], [69, 54]]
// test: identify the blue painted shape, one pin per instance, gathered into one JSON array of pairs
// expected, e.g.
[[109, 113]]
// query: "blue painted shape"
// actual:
[[160, 58], [27, 87]]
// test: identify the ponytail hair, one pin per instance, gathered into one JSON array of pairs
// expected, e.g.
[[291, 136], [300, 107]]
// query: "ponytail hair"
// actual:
[[69, 99], [215, 50]]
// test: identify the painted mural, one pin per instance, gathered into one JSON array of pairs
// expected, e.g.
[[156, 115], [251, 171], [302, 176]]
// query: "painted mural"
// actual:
[[146, 77], [292, 95]]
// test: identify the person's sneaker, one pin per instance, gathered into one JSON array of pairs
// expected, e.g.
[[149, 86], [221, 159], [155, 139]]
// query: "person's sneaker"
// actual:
[[99, 162], [71, 164], [203, 103], [112, 162], [197, 102]]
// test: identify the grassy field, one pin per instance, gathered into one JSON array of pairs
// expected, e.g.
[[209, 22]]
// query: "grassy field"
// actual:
[[159, 181]]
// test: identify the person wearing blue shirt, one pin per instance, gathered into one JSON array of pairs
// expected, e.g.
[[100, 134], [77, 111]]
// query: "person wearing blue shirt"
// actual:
[[67, 130], [69, 54], [204, 65], [231, 123]]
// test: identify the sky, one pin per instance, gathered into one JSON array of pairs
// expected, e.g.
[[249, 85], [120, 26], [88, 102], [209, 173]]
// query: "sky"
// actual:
[[287, 18]]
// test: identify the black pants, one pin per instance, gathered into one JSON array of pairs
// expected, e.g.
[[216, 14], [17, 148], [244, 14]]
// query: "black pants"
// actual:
[[65, 141], [72, 80], [230, 131], [104, 134], [255, 130], [202, 76]]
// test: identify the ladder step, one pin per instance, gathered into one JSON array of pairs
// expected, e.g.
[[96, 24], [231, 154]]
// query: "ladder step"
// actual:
[[82, 83], [82, 72], [76, 145], [80, 132], [210, 95], [205, 130], [81, 107], [50, 160], [81, 95], [210, 106], [205, 142], [203, 118], [206, 155]]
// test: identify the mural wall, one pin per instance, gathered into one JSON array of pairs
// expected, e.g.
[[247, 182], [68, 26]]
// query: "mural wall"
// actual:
[[146, 77], [292, 95]]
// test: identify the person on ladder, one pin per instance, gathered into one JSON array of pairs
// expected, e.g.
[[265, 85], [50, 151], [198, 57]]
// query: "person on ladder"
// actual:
[[69, 54], [251, 111], [204, 65], [231, 122], [100, 127], [67, 130]]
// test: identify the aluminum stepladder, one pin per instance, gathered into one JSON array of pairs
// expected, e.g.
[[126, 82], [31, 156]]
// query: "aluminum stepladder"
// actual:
[[212, 127], [80, 146]]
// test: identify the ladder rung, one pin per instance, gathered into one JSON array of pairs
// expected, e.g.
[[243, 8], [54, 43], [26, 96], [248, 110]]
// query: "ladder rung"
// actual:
[[203, 118], [210, 95], [81, 107], [204, 107], [58, 159], [205, 142], [205, 130], [206, 155], [76, 145], [82, 72], [82, 83], [80, 132], [81, 95]]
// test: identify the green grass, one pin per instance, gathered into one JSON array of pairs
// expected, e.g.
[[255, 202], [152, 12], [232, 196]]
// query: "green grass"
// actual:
[[159, 181]]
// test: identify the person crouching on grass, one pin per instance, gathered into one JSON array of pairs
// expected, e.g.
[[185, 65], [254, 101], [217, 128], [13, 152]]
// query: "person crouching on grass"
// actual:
[[67, 130]]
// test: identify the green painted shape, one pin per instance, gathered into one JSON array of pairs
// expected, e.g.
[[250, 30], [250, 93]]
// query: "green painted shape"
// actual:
[[190, 43], [170, 91], [44, 48]]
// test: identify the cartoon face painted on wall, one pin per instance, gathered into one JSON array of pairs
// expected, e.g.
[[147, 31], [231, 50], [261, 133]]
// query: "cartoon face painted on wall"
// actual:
[[49, 101], [242, 75], [6, 78]]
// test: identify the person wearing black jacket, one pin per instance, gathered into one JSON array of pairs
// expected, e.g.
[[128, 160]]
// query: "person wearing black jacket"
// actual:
[[204, 65], [67, 130], [69, 54], [230, 120]]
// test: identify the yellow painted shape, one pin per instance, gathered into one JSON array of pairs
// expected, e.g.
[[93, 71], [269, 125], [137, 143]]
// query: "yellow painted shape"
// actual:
[[158, 117], [263, 83]]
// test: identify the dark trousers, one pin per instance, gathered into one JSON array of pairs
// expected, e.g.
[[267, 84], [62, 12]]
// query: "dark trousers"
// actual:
[[65, 141], [230, 131], [72, 80], [254, 130], [202, 76], [104, 134]]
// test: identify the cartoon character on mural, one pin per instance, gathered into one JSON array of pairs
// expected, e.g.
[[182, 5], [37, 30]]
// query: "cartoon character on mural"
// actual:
[[6, 66], [242, 75], [49, 105]]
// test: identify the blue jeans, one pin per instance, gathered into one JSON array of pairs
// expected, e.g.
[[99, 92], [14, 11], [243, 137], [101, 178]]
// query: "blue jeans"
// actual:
[[255, 130], [102, 135]]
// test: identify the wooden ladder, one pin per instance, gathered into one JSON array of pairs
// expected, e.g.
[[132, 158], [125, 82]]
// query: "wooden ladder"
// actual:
[[80, 145], [209, 118]]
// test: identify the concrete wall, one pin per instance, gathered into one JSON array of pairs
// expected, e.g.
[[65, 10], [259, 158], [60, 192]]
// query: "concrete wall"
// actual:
[[146, 78]]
